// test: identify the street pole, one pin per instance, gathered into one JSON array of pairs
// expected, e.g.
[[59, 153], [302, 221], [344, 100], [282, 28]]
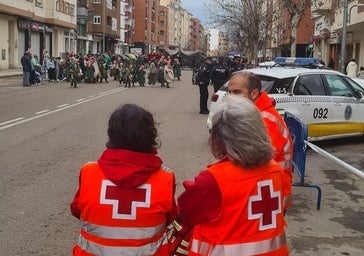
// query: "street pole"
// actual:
[[343, 38], [103, 25]]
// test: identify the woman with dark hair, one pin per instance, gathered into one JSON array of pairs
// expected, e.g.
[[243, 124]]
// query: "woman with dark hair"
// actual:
[[125, 200]]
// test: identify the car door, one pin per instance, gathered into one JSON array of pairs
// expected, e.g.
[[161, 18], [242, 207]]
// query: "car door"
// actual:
[[315, 107], [348, 103]]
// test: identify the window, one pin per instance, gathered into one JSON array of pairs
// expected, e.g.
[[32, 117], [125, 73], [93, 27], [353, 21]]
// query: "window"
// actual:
[[67, 8], [310, 85], [82, 30], [57, 5], [338, 87], [72, 10], [96, 1], [39, 3], [97, 20]]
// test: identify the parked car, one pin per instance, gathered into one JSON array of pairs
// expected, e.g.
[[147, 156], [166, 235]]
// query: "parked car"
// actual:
[[328, 102]]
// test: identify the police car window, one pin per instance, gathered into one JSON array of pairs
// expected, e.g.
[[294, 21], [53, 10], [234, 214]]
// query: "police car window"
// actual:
[[274, 85], [358, 90], [338, 86], [309, 85]]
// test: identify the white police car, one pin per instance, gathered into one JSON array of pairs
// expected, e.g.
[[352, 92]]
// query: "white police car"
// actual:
[[328, 102]]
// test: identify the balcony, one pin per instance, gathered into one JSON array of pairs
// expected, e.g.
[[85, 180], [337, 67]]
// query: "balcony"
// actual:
[[321, 7], [82, 13]]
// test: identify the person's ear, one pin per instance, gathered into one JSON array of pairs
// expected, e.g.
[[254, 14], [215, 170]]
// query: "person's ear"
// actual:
[[254, 94]]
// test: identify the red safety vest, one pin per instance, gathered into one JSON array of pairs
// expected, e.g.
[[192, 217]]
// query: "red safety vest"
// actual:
[[111, 225], [281, 141], [251, 220]]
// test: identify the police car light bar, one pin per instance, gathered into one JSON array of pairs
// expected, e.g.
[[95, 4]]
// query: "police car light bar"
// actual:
[[296, 61]]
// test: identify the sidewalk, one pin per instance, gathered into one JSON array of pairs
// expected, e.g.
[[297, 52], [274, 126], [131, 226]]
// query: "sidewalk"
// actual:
[[11, 72]]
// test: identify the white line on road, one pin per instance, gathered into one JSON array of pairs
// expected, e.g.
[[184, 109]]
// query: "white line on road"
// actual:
[[11, 121], [79, 100], [41, 112], [14, 123], [63, 105], [110, 91]]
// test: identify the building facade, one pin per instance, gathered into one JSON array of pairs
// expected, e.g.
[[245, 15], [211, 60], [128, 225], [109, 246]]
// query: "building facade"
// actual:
[[327, 36], [36, 25], [104, 27], [145, 30]]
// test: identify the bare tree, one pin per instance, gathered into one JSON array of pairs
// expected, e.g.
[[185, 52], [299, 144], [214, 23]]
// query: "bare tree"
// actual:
[[241, 20], [297, 9]]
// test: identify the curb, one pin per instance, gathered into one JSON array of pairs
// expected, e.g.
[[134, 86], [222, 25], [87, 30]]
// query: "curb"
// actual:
[[9, 75]]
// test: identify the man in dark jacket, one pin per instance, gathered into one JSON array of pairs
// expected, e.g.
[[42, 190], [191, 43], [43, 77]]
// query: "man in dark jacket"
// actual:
[[27, 68], [219, 74], [203, 80]]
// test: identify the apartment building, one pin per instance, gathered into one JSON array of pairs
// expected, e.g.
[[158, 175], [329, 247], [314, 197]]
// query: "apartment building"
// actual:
[[145, 30], [162, 28], [36, 25], [327, 37], [287, 34], [104, 28], [195, 35], [126, 27]]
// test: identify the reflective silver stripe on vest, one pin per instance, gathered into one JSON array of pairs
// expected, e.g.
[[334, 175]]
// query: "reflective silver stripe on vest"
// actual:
[[287, 163], [121, 233], [244, 249], [97, 249]]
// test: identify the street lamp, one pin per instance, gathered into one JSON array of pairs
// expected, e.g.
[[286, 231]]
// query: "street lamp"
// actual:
[[346, 19]]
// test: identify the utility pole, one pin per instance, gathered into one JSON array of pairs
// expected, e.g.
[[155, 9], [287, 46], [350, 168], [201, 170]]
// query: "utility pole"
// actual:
[[343, 38], [103, 25]]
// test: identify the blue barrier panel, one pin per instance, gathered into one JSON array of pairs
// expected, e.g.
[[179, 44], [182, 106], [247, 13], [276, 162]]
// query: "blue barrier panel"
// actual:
[[299, 133]]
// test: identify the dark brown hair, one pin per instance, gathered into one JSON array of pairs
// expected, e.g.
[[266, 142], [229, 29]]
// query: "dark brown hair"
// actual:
[[132, 128]]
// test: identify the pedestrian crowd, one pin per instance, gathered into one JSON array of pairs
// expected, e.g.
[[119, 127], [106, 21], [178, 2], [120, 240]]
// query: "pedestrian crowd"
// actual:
[[78, 68]]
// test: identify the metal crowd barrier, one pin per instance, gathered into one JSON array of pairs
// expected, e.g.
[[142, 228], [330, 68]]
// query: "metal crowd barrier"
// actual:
[[299, 133], [299, 136]]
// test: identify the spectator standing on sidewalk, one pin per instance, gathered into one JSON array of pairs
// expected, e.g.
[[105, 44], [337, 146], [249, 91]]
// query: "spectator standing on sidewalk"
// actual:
[[51, 67], [27, 68], [352, 69]]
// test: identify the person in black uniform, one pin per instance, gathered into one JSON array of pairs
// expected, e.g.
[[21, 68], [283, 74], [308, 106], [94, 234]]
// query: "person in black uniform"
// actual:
[[236, 65], [219, 74], [203, 80]]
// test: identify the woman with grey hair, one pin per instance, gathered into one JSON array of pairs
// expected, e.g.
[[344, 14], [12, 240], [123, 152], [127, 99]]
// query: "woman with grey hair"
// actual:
[[235, 206]]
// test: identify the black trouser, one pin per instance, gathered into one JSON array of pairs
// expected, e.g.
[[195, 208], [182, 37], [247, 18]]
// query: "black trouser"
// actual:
[[52, 74], [32, 77], [204, 96]]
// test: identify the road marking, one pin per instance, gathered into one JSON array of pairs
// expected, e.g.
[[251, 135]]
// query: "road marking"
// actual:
[[63, 105], [41, 112], [11, 121], [15, 122], [79, 100]]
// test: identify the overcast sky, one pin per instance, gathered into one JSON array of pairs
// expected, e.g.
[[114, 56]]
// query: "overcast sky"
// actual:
[[195, 7]]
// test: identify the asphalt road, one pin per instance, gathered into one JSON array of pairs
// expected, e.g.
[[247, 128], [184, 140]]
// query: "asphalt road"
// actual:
[[47, 132]]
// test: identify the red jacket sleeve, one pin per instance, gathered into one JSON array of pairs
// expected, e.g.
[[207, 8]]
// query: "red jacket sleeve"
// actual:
[[201, 201], [74, 205]]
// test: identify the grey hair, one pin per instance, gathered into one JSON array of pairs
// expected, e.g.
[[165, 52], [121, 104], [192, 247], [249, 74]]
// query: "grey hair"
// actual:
[[238, 132]]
